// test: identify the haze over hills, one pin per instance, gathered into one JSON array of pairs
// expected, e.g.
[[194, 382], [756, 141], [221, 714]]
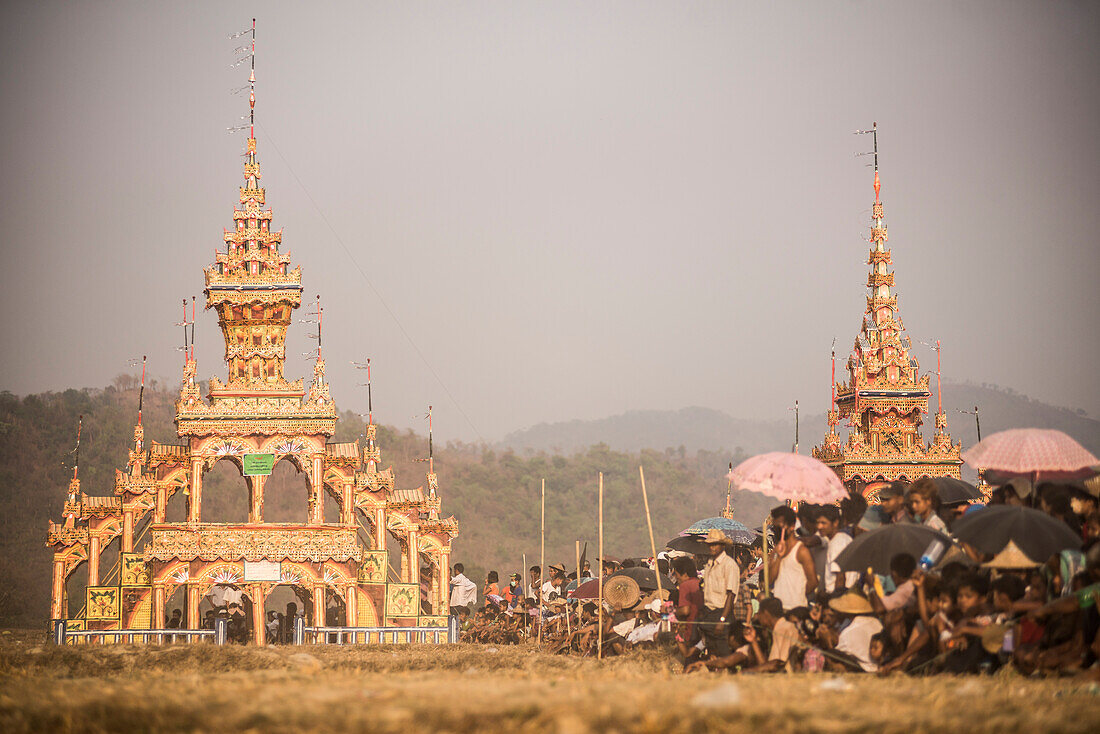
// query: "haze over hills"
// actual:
[[697, 428], [492, 490]]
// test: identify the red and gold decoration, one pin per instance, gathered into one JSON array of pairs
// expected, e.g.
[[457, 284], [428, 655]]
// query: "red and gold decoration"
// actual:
[[884, 397], [254, 418]]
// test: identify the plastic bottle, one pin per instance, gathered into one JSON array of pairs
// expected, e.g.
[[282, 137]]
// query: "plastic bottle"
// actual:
[[932, 555]]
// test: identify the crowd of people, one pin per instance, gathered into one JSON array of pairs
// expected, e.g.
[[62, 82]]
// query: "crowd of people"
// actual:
[[966, 612]]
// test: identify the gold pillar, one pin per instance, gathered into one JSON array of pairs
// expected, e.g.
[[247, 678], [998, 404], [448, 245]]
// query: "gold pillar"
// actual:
[[256, 509], [380, 528], [414, 557], [93, 561], [351, 594], [128, 532], [434, 598], [161, 506], [57, 594], [193, 621], [259, 631], [194, 503], [445, 580], [157, 622], [348, 514], [319, 605], [404, 560], [317, 487]]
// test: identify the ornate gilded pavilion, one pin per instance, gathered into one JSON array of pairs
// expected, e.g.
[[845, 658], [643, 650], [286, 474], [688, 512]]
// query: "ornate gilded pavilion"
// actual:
[[885, 396], [254, 419]]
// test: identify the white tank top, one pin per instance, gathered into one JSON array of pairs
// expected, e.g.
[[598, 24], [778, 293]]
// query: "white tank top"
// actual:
[[790, 582]]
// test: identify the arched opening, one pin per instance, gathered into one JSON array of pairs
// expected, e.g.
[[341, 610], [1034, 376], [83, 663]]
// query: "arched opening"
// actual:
[[282, 604], [175, 609], [232, 602], [176, 508], [75, 591], [332, 508], [225, 493], [286, 493]]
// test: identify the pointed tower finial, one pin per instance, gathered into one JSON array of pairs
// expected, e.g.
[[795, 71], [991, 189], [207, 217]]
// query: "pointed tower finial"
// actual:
[[728, 512], [252, 87]]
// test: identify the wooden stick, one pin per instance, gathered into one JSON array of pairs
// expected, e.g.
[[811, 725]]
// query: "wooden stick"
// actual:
[[599, 634], [578, 585], [764, 544], [542, 558], [527, 586], [652, 544]]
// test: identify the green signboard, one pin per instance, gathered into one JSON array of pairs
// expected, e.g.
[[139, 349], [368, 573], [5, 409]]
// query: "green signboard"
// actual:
[[258, 465]]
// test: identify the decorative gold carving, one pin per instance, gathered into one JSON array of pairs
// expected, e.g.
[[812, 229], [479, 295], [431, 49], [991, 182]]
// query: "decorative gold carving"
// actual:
[[132, 570], [253, 543], [373, 568], [102, 603], [402, 600]]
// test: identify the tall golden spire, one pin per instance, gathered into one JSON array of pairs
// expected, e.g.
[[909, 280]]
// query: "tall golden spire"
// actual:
[[250, 284], [884, 396]]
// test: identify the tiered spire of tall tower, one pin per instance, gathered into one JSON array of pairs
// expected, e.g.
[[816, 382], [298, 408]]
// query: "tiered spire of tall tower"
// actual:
[[885, 395], [254, 419]]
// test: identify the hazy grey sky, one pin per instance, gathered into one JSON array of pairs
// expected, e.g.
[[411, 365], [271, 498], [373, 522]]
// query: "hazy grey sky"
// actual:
[[573, 209]]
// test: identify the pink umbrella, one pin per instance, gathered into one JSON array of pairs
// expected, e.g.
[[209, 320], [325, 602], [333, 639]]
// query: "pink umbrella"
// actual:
[[789, 477], [1038, 452]]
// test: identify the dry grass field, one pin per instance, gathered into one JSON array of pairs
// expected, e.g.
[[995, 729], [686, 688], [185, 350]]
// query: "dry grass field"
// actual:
[[468, 688]]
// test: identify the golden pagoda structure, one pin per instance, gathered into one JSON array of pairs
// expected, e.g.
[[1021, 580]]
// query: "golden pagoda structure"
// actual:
[[254, 419], [884, 396]]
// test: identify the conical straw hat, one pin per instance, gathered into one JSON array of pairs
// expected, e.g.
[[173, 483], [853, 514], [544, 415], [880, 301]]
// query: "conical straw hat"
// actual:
[[621, 592], [1011, 557], [852, 602]]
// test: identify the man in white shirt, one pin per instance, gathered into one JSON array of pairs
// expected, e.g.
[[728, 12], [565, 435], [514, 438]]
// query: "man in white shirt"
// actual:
[[721, 582], [855, 639], [828, 527], [463, 590]]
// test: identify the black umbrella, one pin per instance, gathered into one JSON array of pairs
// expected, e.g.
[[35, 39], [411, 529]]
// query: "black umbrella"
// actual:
[[874, 549], [952, 491], [689, 544], [646, 577], [1036, 533]]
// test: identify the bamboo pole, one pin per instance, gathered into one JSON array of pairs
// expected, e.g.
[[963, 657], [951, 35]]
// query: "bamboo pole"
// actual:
[[542, 558], [652, 544], [599, 632], [527, 587], [764, 545], [578, 585]]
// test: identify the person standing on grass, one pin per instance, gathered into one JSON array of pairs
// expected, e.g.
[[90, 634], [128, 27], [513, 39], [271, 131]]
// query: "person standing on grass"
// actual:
[[721, 582], [689, 605], [828, 527], [791, 564], [463, 590]]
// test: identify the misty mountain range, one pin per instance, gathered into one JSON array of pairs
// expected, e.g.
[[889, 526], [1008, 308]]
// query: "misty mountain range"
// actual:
[[698, 428]]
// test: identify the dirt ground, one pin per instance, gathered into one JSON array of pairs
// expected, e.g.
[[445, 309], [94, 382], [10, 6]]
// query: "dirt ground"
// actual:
[[467, 687]]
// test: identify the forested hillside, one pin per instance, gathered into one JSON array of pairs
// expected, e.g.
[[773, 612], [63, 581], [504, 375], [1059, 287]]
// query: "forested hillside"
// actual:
[[492, 491], [494, 494]]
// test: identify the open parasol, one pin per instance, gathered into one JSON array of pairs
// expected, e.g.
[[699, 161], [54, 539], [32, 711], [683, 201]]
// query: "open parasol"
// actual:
[[953, 491], [1035, 533], [689, 544], [1036, 452], [787, 476], [876, 548], [738, 532]]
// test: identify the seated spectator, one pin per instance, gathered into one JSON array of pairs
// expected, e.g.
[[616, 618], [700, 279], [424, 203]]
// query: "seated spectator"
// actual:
[[176, 620], [784, 637], [966, 654], [853, 646]]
